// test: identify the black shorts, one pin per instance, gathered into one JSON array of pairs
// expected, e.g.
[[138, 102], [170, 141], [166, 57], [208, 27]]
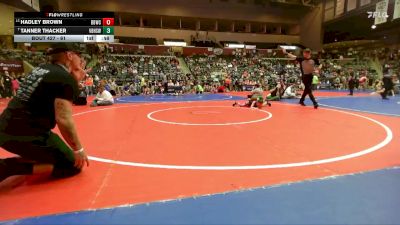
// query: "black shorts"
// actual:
[[47, 148]]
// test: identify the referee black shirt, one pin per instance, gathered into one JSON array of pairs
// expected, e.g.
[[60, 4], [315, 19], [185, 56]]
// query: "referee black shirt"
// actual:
[[307, 66]]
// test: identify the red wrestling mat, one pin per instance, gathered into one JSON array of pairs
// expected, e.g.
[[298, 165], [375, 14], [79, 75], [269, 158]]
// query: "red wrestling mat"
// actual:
[[185, 149]]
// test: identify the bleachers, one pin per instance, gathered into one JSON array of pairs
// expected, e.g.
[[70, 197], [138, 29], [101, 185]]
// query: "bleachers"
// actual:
[[129, 68], [34, 58], [242, 70]]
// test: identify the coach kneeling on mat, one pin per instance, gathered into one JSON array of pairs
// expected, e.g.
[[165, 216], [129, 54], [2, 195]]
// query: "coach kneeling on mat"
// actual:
[[44, 100], [103, 97]]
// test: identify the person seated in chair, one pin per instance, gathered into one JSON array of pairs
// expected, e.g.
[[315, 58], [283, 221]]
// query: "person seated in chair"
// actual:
[[103, 97]]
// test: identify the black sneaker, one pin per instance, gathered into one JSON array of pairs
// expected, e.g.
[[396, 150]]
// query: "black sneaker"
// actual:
[[234, 104], [302, 103], [316, 106]]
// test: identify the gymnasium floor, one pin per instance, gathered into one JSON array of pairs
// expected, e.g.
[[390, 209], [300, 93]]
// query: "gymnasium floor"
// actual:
[[198, 160]]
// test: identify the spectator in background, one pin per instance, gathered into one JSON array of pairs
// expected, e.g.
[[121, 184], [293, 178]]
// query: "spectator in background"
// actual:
[[221, 89], [378, 87], [363, 81], [387, 83], [113, 87], [2, 88], [351, 83], [228, 83], [119, 87], [125, 89], [236, 85], [7, 82], [357, 82], [146, 90], [15, 86], [21, 77], [132, 89], [89, 85], [178, 88], [103, 97], [199, 89], [396, 84], [143, 83], [337, 83], [81, 98], [96, 80], [315, 82], [345, 81], [104, 83]]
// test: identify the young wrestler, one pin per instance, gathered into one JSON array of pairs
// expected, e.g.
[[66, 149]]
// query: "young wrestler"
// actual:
[[255, 99]]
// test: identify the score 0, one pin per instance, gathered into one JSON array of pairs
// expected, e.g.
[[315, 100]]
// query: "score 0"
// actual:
[[108, 21]]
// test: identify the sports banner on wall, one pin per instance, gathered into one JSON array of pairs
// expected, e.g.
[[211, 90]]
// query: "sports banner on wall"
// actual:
[[28, 2], [11, 65], [381, 12], [36, 5], [248, 87], [396, 13]]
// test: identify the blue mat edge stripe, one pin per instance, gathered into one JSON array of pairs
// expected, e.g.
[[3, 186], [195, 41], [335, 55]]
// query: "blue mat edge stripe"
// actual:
[[37, 220]]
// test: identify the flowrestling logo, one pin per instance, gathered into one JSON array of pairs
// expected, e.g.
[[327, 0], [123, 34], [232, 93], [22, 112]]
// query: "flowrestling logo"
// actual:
[[381, 15]]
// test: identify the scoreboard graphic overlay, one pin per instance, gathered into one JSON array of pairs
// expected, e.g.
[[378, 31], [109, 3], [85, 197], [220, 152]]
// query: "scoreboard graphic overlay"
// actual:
[[64, 27]]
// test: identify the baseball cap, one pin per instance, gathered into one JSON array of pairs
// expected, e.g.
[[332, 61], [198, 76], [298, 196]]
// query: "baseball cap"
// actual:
[[306, 50], [64, 47]]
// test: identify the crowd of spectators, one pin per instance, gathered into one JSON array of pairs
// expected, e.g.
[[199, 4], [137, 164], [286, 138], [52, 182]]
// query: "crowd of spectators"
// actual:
[[35, 58], [237, 72], [144, 74], [363, 67], [136, 74], [9, 81]]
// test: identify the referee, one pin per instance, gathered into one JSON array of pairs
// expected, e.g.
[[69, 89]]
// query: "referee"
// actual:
[[44, 100], [307, 66]]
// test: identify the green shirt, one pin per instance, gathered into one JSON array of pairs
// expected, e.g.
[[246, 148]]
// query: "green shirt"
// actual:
[[200, 88], [315, 79]]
